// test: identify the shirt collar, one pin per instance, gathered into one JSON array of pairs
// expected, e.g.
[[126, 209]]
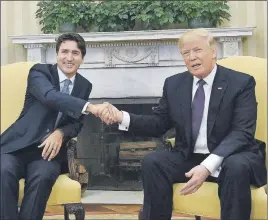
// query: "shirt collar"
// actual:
[[209, 78], [62, 76]]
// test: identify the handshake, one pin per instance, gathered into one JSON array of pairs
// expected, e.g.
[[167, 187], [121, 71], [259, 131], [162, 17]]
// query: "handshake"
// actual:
[[106, 112]]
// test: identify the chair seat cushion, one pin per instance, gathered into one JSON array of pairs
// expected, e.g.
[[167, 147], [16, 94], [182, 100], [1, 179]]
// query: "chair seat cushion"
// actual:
[[205, 201], [64, 191]]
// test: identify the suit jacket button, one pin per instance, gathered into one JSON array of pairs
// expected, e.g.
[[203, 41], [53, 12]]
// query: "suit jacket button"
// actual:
[[48, 130]]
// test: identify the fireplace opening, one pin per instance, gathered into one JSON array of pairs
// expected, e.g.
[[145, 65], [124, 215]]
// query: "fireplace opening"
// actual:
[[112, 157]]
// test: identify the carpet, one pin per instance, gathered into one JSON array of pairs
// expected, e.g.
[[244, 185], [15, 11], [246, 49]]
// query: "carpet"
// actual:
[[105, 212], [109, 217]]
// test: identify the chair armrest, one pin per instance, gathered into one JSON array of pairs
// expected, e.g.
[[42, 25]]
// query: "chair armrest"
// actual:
[[76, 170], [170, 141], [169, 144]]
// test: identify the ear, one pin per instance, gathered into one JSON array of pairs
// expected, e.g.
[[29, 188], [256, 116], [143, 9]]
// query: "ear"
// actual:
[[214, 52], [57, 57]]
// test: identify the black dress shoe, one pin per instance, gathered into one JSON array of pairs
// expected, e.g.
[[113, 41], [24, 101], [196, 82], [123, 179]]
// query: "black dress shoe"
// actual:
[[141, 214]]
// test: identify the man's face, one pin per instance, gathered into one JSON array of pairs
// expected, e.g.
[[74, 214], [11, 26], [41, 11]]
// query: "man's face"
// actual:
[[199, 57], [69, 58]]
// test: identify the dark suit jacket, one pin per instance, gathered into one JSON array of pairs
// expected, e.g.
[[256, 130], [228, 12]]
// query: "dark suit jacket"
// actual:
[[43, 101], [231, 119]]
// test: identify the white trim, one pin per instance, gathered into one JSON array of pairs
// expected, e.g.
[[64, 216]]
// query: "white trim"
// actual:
[[132, 35]]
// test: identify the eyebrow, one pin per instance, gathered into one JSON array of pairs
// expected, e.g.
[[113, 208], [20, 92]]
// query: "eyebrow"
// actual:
[[63, 49], [191, 49]]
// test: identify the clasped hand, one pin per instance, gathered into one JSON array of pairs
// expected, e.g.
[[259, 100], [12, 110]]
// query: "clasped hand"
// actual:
[[106, 112]]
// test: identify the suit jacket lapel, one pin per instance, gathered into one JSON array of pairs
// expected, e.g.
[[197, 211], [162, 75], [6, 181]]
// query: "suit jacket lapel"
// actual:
[[75, 92], [218, 89], [77, 82], [55, 75], [77, 85], [184, 93]]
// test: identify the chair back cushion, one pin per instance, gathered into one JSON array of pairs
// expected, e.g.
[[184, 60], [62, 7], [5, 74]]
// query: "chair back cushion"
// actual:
[[205, 201], [256, 67], [13, 88]]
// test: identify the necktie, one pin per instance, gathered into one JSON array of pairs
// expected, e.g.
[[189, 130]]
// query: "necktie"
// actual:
[[65, 89], [197, 109]]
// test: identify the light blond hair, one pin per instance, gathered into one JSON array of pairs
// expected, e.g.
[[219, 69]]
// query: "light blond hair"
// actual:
[[196, 34]]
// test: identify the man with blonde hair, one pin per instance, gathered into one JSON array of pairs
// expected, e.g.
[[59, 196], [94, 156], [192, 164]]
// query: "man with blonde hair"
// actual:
[[214, 112]]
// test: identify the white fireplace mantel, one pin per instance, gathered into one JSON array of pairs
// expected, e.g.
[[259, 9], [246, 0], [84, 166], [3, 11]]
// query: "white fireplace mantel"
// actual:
[[132, 35], [138, 60]]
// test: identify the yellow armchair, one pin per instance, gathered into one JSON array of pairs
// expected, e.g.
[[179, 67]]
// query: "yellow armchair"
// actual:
[[69, 187], [205, 201]]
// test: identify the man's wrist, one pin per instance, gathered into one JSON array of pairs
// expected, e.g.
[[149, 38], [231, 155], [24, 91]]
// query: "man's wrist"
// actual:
[[209, 172], [212, 163], [90, 108], [84, 110], [124, 124], [119, 117], [60, 131]]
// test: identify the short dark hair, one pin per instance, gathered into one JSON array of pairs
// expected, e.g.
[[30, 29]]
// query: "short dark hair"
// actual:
[[81, 44]]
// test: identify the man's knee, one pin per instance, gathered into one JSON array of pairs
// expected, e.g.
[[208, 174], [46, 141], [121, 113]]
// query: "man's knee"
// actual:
[[8, 169], [47, 175], [150, 160], [236, 167]]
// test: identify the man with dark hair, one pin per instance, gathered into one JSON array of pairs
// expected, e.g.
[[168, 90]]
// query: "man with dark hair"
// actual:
[[72, 37], [34, 146]]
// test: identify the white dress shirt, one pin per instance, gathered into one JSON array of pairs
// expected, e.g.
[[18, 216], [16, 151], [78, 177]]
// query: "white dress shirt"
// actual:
[[212, 162], [62, 77]]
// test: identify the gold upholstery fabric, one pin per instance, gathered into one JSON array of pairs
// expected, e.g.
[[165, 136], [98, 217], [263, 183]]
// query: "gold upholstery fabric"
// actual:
[[205, 201], [13, 88]]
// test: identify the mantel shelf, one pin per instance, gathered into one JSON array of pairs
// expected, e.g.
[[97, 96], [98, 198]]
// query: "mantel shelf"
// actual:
[[171, 34], [131, 63]]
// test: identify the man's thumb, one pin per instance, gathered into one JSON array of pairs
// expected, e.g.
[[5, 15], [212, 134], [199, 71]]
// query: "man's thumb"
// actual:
[[190, 173]]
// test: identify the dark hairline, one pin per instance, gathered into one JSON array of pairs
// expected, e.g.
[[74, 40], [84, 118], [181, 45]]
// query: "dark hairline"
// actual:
[[81, 45]]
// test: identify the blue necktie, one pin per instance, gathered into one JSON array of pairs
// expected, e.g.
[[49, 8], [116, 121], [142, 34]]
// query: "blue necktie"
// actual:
[[197, 110], [65, 89]]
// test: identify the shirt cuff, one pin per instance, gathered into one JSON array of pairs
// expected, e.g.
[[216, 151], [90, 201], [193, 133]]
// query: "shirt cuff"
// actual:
[[84, 110], [213, 163], [125, 122]]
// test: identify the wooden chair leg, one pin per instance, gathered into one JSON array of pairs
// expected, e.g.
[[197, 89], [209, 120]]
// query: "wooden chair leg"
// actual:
[[76, 208], [197, 218]]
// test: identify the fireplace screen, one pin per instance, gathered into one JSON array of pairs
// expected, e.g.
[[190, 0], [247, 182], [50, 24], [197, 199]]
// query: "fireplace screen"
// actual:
[[112, 157]]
